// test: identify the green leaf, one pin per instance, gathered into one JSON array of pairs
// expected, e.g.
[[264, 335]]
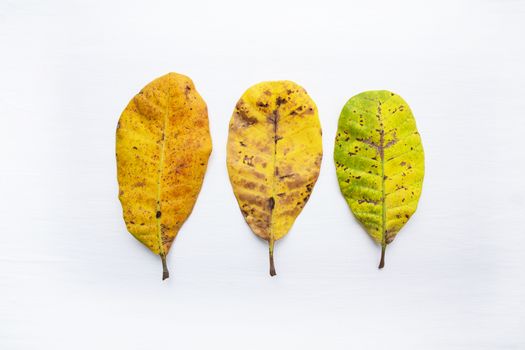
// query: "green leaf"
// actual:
[[379, 162]]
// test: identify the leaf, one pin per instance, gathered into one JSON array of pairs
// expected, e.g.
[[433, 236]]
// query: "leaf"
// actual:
[[274, 156], [379, 162], [163, 146]]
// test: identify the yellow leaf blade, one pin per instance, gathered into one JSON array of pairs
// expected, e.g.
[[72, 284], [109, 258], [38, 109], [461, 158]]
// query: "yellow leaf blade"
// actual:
[[274, 155], [162, 145]]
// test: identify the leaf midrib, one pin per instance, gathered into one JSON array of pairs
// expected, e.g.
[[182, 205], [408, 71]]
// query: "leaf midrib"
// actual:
[[381, 151], [276, 116], [159, 175]]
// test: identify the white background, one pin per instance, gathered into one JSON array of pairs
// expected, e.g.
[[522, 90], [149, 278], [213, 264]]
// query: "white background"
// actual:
[[71, 277]]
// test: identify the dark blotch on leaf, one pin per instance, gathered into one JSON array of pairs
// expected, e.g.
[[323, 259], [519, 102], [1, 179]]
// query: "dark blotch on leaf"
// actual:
[[271, 203], [280, 101]]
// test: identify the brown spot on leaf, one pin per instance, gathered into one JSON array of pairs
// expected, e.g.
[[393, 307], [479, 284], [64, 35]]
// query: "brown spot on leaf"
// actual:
[[295, 211], [242, 116], [282, 177], [309, 111], [280, 101], [258, 175], [252, 199], [296, 183], [309, 187], [367, 200], [247, 184], [248, 160]]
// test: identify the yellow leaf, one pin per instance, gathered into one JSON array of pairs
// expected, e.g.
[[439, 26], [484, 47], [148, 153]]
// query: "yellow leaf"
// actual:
[[380, 163], [163, 145], [274, 156]]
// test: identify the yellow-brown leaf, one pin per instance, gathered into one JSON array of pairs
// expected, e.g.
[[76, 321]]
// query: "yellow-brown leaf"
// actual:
[[163, 144], [274, 156]]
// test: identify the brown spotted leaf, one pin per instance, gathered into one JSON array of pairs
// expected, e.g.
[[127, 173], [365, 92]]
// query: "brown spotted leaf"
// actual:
[[379, 162], [163, 145], [274, 156]]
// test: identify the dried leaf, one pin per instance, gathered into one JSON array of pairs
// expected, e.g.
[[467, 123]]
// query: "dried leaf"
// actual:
[[274, 156], [163, 146], [380, 163]]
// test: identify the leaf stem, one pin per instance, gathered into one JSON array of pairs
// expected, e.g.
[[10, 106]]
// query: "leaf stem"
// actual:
[[382, 262], [165, 272], [272, 265]]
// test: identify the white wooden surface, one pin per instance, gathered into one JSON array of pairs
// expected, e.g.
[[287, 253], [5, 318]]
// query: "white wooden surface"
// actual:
[[71, 276]]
